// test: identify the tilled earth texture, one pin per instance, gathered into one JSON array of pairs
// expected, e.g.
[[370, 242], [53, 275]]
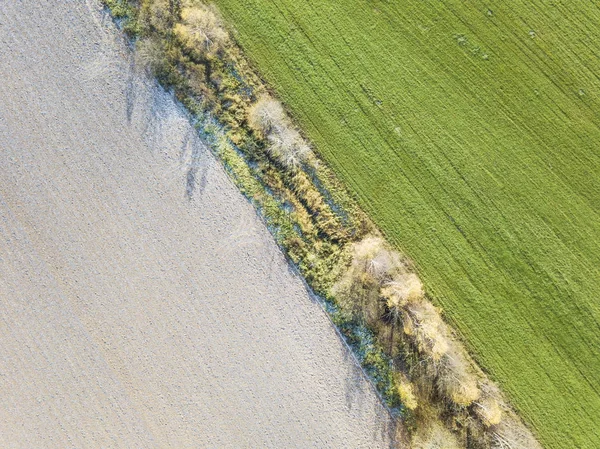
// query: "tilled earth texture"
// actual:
[[142, 302]]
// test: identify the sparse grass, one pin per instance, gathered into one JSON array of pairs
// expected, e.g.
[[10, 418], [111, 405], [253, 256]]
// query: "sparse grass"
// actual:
[[469, 131]]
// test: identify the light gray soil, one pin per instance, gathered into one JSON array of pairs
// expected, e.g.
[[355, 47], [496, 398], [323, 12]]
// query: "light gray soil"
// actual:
[[142, 303]]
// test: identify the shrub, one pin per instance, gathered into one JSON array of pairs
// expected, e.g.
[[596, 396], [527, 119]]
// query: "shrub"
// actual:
[[424, 325], [455, 379], [285, 144], [201, 29], [487, 407], [372, 257], [287, 147], [358, 290], [406, 392], [512, 434], [488, 411], [433, 435], [266, 114], [158, 14], [405, 288]]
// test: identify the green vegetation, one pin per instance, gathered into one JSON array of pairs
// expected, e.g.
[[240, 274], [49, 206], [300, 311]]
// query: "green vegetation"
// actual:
[[470, 132]]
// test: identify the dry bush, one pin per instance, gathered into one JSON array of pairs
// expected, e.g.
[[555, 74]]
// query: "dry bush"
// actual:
[[455, 379], [372, 257], [512, 434], [158, 13], [405, 288], [286, 145], [488, 407], [488, 411], [423, 324], [201, 29], [149, 54], [396, 295], [358, 290], [406, 392], [433, 435], [265, 115]]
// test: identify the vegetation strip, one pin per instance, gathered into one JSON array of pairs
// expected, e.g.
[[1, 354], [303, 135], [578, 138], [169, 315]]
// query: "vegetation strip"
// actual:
[[371, 291]]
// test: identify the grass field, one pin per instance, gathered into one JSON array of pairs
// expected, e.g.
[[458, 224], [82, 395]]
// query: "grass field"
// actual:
[[470, 131]]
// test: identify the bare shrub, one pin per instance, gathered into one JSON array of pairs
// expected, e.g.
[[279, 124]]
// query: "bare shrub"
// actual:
[[488, 411], [488, 407], [433, 435], [201, 28], [371, 256], [512, 434], [158, 13], [265, 115], [149, 54], [286, 145], [405, 288], [372, 264], [423, 323], [455, 379]]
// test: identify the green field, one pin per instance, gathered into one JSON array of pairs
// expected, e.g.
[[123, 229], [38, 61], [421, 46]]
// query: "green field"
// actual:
[[470, 131]]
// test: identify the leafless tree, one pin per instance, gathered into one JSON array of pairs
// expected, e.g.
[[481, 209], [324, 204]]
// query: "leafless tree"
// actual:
[[266, 114]]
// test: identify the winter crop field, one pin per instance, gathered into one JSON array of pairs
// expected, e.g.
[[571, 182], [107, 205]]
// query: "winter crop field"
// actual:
[[470, 131]]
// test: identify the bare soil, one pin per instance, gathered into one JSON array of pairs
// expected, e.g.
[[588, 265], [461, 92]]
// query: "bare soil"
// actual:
[[142, 302]]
